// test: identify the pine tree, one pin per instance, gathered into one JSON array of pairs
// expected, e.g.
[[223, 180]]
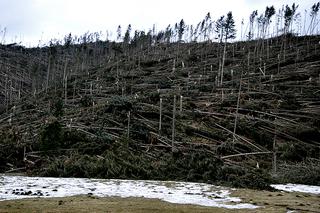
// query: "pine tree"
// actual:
[[119, 33], [314, 13], [270, 11], [227, 30], [230, 28], [160, 36], [168, 34], [126, 38], [181, 29], [68, 40], [220, 28], [289, 17], [251, 29], [208, 26]]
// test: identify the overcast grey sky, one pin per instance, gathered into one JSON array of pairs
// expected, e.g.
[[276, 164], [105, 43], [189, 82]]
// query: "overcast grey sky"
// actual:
[[30, 20]]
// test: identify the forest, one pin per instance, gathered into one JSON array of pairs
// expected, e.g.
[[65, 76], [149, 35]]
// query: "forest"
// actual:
[[194, 103]]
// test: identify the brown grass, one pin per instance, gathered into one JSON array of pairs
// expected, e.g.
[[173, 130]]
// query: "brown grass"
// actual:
[[269, 202]]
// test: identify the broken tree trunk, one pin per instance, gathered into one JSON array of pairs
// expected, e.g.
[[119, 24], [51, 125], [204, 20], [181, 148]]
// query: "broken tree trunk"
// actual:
[[173, 121]]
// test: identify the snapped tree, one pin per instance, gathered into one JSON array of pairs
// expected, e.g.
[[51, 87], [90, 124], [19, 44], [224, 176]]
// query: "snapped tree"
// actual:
[[181, 29], [251, 25], [290, 14], [313, 14], [226, 27], [126, 38]]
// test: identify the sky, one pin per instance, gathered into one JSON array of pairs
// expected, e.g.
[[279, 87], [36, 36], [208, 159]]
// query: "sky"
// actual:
[[31, 21]]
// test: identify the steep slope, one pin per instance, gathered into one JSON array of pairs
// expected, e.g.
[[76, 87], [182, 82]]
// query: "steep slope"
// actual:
[[93, 110]]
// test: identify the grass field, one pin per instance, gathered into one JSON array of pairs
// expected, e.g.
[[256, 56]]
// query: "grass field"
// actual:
[[269, 202]]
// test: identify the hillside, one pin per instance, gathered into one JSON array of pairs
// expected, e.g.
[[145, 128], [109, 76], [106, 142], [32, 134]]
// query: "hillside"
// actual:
[[106, 109]]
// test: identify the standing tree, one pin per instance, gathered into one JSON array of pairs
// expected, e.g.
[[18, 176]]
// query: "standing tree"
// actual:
[[270, 11], [226, 27], [251, 26], [168, 34], [126, 38], [196, 32], [119, 33], [191, 31], [181, 29], [208, 26], [314, 13], [229, 26], [220, 28], [68, 40], [290, 15], [160, 37]]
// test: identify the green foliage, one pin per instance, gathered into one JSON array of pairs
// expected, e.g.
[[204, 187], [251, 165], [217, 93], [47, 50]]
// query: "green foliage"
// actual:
[[181, 29], [126, 38], [305, 172], [121, 160], [248, 178], [86, 101], [11, 150], [220, 28], [68, 40], [57, 107], [315, 9], [229, 25], [289, 102], [51, 137], [119, 104], [270, 11], [292, 152], [289, 16], [119, 33], [252, 19], [225, 27]]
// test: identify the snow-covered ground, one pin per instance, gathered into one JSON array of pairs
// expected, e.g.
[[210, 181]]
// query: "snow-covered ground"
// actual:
[[297, 188], [19, 187]]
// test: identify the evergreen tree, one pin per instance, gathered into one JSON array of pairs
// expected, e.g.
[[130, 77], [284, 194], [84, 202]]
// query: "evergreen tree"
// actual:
[[126, 38], [220, 28], [227, 27], [119, 33], [196, 32], [289, 17], [314, 13], [68, 40], [168, 34], [270, 11], [191, 33], [181, 30], [251, 26], [160, 36], [230, 28], [208, 26]]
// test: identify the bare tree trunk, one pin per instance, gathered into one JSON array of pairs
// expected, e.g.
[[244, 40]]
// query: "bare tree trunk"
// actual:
[[6, 92], [66, 89], [128, 130], [48, 74], [274, 162], [65, 82], [65, 72], [278, 63], [181, 97], [223, 60], [173, 121], [237, 110], [74, 91], [160, 118]]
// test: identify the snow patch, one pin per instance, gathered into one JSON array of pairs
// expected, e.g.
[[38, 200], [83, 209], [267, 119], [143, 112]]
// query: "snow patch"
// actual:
[[297, 188], [19, 187]]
